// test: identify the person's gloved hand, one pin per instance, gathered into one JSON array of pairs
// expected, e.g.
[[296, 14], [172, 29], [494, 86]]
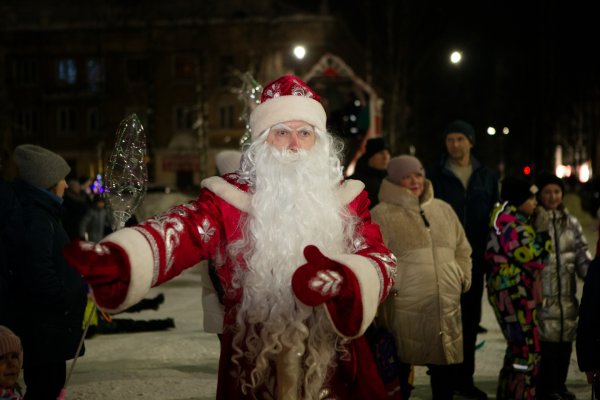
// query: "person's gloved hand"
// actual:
[[105, 266], [321, 278], [541, 219]]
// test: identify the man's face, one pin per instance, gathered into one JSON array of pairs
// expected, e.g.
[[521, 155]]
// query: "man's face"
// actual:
[[380, 160], [458, 146], [292, 135]]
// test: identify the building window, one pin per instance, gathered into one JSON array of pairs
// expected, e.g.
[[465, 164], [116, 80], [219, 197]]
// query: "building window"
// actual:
[[184, 118], [26, 122], [183, 67], [66, 121], [25, 73], [66, 71], [226, 116], [137, 70], [95, 74], [94, 121]]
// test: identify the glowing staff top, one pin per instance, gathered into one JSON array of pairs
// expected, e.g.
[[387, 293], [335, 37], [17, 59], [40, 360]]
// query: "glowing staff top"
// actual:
[[126, 175]]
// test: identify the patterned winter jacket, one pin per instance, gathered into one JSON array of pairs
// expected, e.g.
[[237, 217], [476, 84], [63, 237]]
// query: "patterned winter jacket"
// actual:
[[557, 315], [515, 250]]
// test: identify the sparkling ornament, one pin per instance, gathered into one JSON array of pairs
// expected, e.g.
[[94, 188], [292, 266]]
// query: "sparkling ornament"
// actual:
[[249, 95], [126, 174]]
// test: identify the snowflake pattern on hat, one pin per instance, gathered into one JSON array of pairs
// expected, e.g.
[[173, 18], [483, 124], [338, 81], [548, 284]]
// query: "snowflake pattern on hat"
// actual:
[[288, 85]]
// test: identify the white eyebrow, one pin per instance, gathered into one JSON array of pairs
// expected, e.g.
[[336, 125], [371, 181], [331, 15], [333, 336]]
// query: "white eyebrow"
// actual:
[[283, 127], [286, 128]]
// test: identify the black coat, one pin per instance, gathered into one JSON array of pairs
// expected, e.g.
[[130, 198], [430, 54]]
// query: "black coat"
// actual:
[[472, 205], [371, 177], [51, 299], [588, 329]]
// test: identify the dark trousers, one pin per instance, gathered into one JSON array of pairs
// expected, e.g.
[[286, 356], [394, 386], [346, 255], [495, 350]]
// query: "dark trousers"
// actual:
[[441, 379], [554, 366], [470, 303], [44, 381]]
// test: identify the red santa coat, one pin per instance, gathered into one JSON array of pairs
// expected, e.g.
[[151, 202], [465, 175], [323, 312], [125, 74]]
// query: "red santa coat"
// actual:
[[161, 248]]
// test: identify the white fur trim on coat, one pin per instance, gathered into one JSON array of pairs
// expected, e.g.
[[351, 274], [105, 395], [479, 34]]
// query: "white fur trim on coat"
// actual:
[[141, 261], [365, 271], [347, 192]]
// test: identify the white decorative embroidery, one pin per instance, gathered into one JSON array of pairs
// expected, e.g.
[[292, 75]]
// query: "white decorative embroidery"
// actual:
[[326, 282], [206, 231], [169, 226], [389, 263]]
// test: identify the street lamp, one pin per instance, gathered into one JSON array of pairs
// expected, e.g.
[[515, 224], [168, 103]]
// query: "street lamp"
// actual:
[[456, 57], [299, 52]]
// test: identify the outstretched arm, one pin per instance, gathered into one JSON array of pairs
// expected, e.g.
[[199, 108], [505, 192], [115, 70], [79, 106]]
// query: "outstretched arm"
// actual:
[[127, 263]]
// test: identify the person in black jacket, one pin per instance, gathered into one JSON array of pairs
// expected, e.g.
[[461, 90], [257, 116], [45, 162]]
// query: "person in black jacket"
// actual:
[[371, 168], [471, 189], [51, 299], [588, 330]]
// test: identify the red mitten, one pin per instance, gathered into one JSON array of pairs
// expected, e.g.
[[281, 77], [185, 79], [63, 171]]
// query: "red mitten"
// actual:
[[105, 266], [319, 280], [325, 281]]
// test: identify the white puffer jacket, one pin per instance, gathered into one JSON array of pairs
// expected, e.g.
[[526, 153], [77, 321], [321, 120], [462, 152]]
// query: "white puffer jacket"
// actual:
[[433, 269]]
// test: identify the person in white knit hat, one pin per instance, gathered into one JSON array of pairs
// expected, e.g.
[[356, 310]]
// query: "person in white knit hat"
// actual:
[[302, 267], [11, 360]]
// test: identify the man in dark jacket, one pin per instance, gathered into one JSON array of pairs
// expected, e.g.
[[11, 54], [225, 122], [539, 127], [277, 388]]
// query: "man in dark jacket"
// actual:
[[50, 301], [371, 168], [472, 190]]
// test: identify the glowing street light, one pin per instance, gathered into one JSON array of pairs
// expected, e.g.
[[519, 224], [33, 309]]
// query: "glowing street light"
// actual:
[[456, 57], [299, 52]]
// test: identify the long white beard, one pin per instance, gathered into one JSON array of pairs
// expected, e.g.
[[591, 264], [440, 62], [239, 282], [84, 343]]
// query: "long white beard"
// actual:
[[294, 205]]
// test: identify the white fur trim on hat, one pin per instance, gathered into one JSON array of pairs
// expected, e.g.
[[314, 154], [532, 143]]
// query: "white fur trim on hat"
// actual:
[[287, 108]]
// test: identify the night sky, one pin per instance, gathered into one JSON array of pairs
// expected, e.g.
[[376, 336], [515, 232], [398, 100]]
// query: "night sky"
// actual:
[[530, 66]]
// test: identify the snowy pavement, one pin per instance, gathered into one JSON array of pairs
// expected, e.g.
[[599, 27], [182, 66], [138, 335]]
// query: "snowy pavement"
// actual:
[[181, 364]]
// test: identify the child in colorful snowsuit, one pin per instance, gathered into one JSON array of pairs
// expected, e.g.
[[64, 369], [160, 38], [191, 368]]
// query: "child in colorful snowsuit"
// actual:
[[517, 249]]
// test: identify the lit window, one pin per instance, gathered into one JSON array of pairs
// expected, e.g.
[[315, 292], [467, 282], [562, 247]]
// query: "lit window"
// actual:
[[67, 71]]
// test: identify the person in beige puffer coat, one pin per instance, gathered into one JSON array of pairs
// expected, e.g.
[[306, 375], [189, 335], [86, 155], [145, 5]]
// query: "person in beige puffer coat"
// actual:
[[434, 268]]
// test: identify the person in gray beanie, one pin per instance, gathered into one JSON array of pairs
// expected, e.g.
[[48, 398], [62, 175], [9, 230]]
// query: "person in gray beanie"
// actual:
[[40, 167], [47, 310]]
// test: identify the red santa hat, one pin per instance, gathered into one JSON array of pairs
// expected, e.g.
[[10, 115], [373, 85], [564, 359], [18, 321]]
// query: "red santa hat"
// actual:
[[287, 99]]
